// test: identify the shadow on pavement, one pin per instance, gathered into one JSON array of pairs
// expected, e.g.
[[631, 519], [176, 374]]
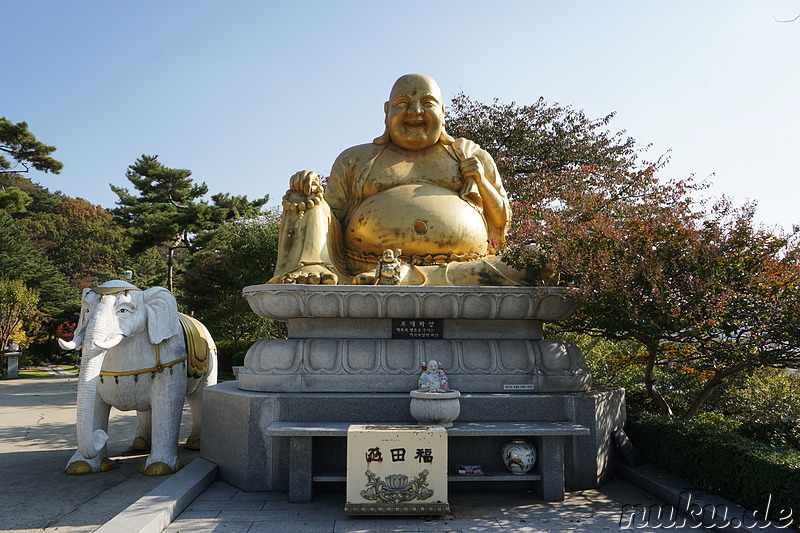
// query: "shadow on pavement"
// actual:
[[37, 438]]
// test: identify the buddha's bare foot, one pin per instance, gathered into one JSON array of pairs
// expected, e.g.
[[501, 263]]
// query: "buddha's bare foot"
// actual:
[[312, 275], [365, 278]]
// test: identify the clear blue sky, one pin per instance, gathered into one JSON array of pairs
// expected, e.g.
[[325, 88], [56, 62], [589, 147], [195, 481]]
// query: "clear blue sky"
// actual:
[[245, 93]]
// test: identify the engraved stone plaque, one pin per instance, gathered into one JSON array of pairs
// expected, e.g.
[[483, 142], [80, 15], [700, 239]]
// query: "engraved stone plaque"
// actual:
[[417, 328], [396, 470]]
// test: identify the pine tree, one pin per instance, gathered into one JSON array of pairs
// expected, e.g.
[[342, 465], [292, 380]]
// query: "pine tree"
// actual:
[[20, 145], [168, 210]]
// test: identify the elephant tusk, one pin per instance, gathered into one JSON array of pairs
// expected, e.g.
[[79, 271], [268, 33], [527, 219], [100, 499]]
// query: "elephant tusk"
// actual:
[[75, 344], [110, 342], [66, 345], [99, 439]]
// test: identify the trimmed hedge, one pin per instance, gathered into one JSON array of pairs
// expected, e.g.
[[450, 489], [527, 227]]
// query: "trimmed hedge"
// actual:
[[718, 461]]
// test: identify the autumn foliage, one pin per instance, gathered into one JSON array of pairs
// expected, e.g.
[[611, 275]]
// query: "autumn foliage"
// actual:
[[704, 291]]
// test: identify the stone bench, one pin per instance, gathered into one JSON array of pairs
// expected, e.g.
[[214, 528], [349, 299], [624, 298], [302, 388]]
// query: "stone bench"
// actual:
[[547, 476]]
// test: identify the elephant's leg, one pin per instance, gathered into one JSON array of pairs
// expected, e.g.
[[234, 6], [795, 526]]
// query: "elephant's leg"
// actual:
[[143, 429], [196, 403], [166, 402], [100, 463], [196, 406]]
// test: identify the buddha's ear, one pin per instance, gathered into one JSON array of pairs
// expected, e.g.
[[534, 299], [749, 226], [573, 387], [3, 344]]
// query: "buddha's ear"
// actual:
[[385, 137]]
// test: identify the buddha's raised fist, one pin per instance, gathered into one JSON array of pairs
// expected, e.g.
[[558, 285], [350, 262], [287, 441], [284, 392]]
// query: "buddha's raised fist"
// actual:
[[471, 167]]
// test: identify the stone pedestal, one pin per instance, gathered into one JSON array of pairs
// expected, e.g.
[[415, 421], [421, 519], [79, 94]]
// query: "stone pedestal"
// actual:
[[487, 339], [354, 353], [235, 426], [12, 364]]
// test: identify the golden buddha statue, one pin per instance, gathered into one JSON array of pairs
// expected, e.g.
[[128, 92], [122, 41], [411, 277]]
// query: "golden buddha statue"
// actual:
[[436, 199]]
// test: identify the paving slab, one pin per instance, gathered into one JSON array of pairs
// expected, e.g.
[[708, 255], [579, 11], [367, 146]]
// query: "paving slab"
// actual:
[[37, 428], [37, 438], [487, 510]]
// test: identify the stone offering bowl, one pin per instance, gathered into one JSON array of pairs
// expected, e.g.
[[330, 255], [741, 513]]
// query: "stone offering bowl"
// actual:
[[440, 408]]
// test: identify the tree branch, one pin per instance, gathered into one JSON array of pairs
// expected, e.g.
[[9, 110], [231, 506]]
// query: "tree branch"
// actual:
[[792, 20], [16, 171], [709, 388], [176, 204], [663, 406]]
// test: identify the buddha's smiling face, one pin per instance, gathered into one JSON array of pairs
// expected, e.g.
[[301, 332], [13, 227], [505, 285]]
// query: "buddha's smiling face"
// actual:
[[414, 112]]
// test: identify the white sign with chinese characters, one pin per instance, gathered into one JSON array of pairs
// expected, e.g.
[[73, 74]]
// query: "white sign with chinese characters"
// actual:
[[395, 470]]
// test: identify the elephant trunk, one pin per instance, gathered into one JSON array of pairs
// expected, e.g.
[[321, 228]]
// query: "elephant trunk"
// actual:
[[91, 439]]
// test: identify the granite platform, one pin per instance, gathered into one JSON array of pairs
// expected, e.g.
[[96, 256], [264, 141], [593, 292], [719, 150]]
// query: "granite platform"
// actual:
[[487, 339], [353, 353]]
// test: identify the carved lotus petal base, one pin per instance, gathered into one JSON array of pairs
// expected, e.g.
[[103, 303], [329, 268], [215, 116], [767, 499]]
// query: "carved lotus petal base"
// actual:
[[356, 338], [283, 302]]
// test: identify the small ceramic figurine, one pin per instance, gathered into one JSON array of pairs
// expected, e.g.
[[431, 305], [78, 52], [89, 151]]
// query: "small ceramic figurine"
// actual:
[[432, 377]]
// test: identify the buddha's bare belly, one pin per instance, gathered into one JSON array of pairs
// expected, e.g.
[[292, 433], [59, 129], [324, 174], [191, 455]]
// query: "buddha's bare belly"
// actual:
[[422, 219]]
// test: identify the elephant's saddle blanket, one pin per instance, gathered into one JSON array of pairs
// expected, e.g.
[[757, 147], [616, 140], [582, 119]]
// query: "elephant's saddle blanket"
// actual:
[[198, 346]]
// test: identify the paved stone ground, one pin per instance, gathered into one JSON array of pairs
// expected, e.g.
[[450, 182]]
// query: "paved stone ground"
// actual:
[[617, 506], [56, 371], [37, 438]]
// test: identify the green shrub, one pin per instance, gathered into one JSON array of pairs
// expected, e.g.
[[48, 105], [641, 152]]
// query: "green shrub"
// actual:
[[767, 403], [717, 420], [227, 352], [238, 358], [776, 433], [714, 459]]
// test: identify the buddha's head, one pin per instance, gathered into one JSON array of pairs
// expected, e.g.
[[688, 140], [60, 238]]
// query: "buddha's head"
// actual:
[[388, 256], [414, 114]]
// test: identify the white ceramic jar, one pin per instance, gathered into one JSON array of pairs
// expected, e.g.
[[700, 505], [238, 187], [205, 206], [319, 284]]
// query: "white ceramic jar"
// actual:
[[519, 456]]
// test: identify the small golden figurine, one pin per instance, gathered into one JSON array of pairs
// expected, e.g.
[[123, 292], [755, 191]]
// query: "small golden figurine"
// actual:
[[388, 271]]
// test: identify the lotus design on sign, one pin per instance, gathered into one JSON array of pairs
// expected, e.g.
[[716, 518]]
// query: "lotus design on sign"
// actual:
[[396, 488]]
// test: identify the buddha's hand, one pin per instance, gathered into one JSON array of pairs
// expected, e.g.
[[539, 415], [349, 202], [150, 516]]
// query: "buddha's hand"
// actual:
[[306, 182], [472, 168], [305, 192]]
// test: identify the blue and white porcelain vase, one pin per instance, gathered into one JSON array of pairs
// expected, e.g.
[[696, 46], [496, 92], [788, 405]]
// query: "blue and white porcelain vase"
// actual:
[[519, 456]]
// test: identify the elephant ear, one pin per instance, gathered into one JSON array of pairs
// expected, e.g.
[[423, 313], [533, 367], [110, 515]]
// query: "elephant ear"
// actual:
[[162, 314]]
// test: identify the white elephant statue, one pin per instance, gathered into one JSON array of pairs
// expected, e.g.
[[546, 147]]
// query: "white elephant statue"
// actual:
[[135, 355]]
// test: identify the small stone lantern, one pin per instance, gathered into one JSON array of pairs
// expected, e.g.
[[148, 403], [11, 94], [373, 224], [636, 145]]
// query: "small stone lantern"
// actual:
[[12, 360]]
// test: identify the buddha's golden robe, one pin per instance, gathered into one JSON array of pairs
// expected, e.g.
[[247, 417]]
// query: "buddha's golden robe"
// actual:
[[414, 201], [383, 197]]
